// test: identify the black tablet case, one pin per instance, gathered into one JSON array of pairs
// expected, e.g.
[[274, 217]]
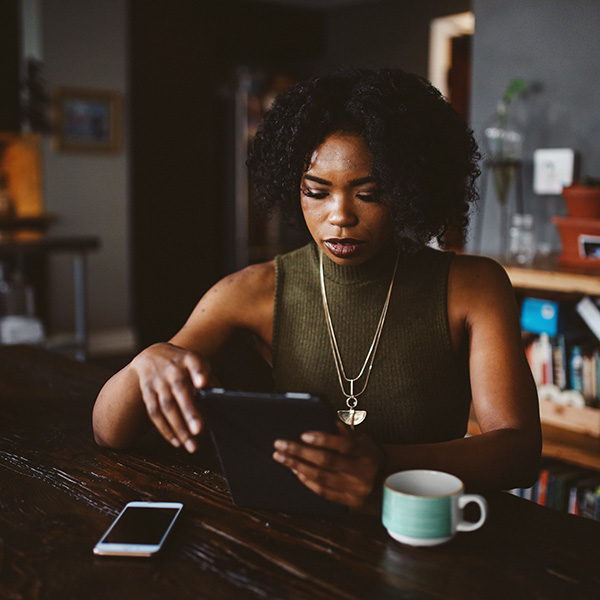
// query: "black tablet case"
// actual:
[[244, 425]]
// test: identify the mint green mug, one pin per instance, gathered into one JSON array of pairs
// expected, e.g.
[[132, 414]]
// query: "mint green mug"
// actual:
[[424, 508]]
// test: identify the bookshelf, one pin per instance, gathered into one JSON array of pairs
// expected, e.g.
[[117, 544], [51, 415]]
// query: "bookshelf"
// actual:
[[572, 447], [546, 277], [546, 274]]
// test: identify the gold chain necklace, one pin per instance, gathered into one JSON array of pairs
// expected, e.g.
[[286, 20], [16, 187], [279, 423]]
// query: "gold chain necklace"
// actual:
[[352, 416]]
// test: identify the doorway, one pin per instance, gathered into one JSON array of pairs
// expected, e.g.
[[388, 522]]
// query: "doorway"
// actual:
[[450, 58]]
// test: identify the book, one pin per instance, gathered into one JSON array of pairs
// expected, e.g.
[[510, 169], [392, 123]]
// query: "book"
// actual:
[[590, 503], [590, 313], [560, 362], [559, 486], [578, 492], [540, 316], [540, 491], [556, 477], [576, 369]]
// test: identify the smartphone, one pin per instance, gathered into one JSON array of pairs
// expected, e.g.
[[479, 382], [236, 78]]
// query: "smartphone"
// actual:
[[139, 530]]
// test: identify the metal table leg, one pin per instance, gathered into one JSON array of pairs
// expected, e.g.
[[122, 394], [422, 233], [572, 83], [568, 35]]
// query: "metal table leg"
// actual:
[[79, 288]]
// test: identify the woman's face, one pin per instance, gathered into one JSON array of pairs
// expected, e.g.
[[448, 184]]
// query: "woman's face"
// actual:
[[340, 202]]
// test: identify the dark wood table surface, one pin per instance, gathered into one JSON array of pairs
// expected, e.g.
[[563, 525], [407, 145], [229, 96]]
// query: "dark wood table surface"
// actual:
[[59, 492]]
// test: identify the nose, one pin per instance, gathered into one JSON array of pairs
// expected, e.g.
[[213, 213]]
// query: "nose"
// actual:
[[342, 213]]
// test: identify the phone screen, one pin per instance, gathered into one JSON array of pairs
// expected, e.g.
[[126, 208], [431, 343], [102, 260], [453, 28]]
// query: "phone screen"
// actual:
[[141, 525], [140, 529]]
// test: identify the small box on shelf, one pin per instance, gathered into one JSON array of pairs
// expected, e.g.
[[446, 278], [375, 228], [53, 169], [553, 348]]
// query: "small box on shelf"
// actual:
[[580, 240]]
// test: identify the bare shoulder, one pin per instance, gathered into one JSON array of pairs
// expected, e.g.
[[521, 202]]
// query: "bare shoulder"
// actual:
[[478, 273], [478, 283], [254, 279], [244, 291], [470, 267], [242, 300]]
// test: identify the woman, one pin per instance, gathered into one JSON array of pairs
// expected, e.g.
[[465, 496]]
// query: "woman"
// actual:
[[401, 339]]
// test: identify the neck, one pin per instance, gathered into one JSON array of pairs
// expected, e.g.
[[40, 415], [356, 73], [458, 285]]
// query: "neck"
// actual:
[[375, 268]]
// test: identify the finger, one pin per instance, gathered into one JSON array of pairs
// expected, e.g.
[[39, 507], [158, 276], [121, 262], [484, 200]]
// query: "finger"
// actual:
[[199, 371], [150, 399], [295, 456], [170, 410], [184, 394], [357, 467], [341, 443], [308, 454], [333, 486]]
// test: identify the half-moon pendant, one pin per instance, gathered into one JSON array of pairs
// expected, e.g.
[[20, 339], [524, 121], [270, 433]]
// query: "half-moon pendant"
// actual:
[[352, 417]]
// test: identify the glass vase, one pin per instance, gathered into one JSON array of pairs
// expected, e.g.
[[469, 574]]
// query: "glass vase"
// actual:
[[504, 148]]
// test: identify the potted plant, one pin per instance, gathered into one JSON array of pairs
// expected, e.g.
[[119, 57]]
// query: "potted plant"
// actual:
[[583, 198]]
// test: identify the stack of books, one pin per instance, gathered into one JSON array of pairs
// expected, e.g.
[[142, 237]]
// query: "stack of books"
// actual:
[[563, 349], [566, 488]]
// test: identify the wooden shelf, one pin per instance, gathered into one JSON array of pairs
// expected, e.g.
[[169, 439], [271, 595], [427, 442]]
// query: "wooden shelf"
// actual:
[[572, 447], [546, 274]]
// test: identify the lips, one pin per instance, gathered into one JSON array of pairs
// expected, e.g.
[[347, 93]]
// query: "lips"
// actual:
[[343, 247]]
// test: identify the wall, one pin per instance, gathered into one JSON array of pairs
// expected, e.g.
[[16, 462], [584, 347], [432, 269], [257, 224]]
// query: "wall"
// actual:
[[384, 34], [553, 45], [9, 67], [84, 45], [183, 54]]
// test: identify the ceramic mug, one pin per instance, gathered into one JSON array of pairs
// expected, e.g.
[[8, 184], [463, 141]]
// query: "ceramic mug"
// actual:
[[424, 508]]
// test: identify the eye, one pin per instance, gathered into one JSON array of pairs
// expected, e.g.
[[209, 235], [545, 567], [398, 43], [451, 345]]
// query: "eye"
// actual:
[[317, 195], [368, 196]]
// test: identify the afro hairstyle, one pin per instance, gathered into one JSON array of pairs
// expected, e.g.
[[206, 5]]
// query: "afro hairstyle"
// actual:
[[424, 156]]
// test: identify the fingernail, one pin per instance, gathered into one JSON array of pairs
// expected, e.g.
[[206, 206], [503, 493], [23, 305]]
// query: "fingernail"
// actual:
[[309, 438], [175, 442], [190, 446], [198, 380], [195, 426], [281, 445], [278, 457]]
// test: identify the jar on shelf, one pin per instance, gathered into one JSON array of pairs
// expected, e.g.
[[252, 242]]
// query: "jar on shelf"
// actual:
[[503, 136], [503, 143], [18, 323], [522, 246]]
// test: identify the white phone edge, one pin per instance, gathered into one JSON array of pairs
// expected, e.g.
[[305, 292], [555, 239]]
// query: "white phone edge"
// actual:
[[144, 550]]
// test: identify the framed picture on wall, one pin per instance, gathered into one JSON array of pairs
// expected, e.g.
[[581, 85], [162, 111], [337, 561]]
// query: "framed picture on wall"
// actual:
[[86, 120]]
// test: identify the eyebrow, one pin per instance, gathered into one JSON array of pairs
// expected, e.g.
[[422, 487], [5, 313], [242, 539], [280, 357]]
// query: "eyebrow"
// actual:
[[354, 182]]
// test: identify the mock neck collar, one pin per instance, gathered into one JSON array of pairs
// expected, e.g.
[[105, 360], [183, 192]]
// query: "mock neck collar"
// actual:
[[381, 265]]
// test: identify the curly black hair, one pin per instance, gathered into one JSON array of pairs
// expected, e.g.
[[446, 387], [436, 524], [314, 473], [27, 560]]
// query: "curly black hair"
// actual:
[[424, 156]]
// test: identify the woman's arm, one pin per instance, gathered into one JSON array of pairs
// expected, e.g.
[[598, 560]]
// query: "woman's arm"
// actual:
[[481, 303], [158, 386], [483, 314]]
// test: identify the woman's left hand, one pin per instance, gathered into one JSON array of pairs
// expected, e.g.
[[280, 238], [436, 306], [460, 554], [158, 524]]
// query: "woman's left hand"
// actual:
[[340, 467]]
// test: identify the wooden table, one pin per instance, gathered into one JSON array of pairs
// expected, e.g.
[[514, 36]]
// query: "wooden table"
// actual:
[[59, 492]]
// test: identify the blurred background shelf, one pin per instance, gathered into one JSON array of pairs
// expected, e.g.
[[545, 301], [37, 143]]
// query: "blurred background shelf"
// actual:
[[546, 274]]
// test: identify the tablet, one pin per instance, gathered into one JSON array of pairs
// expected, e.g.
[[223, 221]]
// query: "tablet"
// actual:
[[244, 426]]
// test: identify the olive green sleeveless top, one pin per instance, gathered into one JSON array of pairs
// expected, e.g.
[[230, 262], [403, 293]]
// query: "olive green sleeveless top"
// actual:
[[418, 391]]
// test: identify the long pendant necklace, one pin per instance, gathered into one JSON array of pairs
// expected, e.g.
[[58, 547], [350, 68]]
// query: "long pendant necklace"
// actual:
[[351, 416]]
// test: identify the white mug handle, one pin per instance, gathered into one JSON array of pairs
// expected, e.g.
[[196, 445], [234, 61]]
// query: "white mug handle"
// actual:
[[465, 499]]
